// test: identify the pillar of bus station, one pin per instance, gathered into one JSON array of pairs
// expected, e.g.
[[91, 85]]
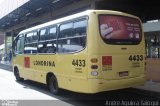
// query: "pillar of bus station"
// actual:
[[8, 48]]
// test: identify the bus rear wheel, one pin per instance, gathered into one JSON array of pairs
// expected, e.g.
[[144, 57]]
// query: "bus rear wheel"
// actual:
[[17, 75], [53, 85]]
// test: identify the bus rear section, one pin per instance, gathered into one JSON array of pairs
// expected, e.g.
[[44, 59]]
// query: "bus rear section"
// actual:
[[120, 53]]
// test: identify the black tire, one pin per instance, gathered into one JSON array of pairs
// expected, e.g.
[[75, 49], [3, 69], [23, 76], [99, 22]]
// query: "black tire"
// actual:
[[17, 75], [53, 85]]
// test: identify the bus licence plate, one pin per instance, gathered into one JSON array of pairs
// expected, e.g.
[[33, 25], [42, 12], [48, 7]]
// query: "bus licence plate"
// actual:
[[123, 74]]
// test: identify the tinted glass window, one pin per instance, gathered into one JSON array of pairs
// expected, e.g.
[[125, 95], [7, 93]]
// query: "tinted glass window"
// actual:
[[52, 33], [76, 40], [66, 30], [30, 48], [18, 45], [47, 47], [31, 43], [35, 36], [44, 34], [80, 28], [31, 37]]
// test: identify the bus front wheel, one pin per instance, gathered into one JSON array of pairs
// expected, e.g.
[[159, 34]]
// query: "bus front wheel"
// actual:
[[17, 75], [53, 85]]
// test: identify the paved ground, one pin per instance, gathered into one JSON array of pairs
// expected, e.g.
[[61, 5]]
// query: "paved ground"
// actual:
[[151, 86], [10, 89]]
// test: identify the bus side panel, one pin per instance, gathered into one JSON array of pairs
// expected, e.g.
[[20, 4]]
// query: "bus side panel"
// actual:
[[23, 66], [71, 71], [40, 65]]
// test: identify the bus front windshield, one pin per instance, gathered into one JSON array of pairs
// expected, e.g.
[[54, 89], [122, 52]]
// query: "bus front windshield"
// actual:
[[121, 30]]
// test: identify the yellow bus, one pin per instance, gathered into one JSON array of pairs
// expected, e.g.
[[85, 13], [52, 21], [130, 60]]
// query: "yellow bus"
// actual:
[[88, 52]]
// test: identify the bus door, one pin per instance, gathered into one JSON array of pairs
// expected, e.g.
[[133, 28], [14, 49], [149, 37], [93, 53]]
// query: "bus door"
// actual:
[[30, 50]]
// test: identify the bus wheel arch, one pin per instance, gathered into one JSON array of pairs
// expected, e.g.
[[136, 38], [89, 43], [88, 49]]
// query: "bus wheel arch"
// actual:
[[52, 83], [16, 74]]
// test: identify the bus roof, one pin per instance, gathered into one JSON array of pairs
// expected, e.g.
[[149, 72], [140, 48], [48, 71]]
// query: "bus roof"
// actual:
[[87, 12]]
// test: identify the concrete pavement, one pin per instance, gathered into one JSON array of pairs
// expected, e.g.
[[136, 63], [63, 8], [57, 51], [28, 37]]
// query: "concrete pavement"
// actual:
[[150, 86], [11, 90]]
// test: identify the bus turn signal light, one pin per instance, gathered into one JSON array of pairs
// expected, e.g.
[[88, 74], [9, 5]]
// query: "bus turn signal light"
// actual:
[[94, 60]]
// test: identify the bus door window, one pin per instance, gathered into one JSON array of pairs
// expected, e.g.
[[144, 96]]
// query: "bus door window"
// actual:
[[18, 45]]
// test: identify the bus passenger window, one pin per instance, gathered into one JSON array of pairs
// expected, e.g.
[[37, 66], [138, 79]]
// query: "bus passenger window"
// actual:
[[80, 28], [29, 37], [30, 48], [35, 36], [52, 33], [66, 30], [31, 43], [43, 34], [47, 47], [75, 39]]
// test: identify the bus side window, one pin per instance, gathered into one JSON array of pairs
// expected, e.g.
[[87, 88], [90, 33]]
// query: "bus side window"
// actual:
[[31, 43], [47, 37], [72, 36], [53, 33], [80, 28], [79, 31], [47, 47], [44, 34], [65, 31]]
